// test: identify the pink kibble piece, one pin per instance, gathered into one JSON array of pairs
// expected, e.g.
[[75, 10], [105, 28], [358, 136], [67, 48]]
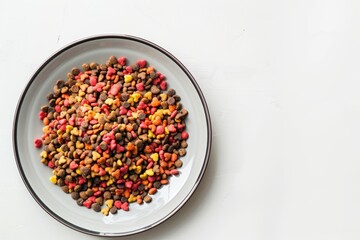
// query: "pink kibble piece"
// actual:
[[159, 129], [111, 71], [73, 165], [171, 128], [141, 63], [93, 80], [122, 61], [38, 143], [114, 90], [184, 135]]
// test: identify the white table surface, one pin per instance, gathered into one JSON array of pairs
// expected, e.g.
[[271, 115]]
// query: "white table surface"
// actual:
[[281, 79]]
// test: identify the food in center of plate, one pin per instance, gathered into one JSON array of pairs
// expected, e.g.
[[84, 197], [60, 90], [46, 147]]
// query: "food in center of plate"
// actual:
[[113, 134]]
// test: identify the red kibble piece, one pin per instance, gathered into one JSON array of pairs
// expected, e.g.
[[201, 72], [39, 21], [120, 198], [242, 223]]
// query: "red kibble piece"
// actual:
[[58, 108], [81, 180], [163, 85], [184, 135], [38, 143], [111, 71], [51, 164], [129, 69], [174, 172], [93, 80], [102, 172], [122, 61], [117, 204], [171, 128], [42, 115], [119, 148], [97, 193], [128, 184], [114, 90], [141, 63], [112, 144], [159, 129], [140, 86], [99, 86], [72, 185], [156, 81], [87, 203], [73, 165], [125, 206], [173, 114], [123, 111]]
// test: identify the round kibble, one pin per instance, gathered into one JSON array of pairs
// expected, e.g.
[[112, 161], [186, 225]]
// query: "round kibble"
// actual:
[[75, 195], [113, 133], [113, 210], [178, 163], [147, 199], [96, 207]]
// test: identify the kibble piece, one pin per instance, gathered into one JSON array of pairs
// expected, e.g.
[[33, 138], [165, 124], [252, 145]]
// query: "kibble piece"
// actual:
[[96, 207], [75, 195], [147, 199]]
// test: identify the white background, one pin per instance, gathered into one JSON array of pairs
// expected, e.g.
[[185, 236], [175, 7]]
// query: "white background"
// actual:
[[281, 79]]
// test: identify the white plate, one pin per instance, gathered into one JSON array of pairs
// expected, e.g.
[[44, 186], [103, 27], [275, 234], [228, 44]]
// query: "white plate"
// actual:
[[27, 127]]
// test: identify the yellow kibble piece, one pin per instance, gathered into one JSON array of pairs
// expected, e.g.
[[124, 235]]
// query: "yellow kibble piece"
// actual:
[[95, 155], [109, 203], [159, 136], [59, 150], [81, 93], [138, 170], [122, 127], [53, 179], [78, 171], [151, 134], [148, 95], [136, 96], [109, 101], [163, 96], [109, 182], [127, 78], [166, 111], [130, 100], [135, 114], [126, 176], [78, 98], [105, 211], [69, 128], [59, 132], [143, 176], [119, 162], [132, 198], [43, 154], [149, 172], [155, 157], [75, 131], [62, 160], [97, 115], [46, 129], [93, 174], [166, 131], [79, 145]]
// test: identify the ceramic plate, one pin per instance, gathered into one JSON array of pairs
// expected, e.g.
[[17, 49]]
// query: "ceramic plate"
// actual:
[[27, 127]]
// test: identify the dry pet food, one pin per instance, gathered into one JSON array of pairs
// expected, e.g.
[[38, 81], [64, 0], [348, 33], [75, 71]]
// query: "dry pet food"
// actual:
[[113, 134]]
